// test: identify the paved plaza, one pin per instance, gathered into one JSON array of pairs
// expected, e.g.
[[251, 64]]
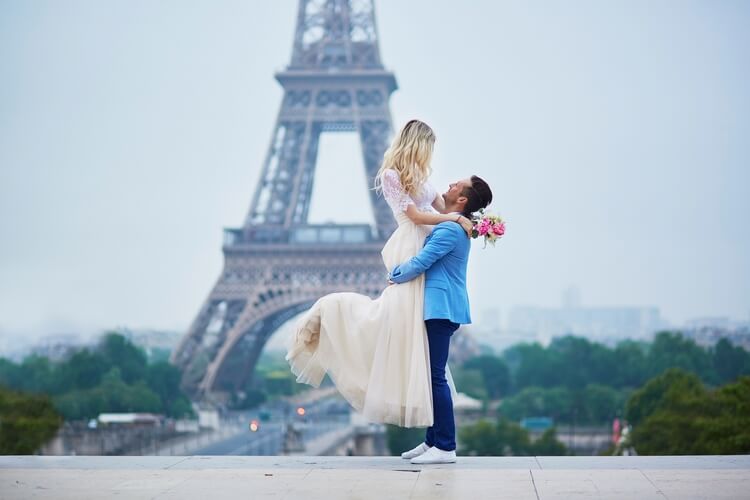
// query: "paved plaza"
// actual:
[[382, 478]]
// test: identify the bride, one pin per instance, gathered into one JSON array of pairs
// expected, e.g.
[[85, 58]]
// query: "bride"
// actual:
[[375, 350]]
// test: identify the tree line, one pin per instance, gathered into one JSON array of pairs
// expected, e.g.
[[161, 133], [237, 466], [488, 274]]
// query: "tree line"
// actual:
[[679, 397], [675, 413], [576, 380], [113, 376]]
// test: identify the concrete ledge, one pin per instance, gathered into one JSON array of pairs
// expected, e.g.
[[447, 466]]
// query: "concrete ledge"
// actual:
[[383, 463], [380, 478]]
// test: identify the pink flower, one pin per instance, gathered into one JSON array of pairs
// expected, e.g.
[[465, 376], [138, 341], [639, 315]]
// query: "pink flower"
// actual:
[[484, 227], [498, 228], [491, 227]]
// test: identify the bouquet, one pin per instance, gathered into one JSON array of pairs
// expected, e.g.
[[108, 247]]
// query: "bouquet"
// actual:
[[492, 227]]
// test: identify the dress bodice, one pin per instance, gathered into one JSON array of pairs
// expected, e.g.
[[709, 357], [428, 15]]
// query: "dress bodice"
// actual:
[[398, 199]]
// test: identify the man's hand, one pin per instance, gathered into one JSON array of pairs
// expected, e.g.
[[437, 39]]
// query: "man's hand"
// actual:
[[466, 224]]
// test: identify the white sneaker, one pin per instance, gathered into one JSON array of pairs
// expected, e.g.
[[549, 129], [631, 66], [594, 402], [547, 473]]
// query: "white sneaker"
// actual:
[[415, 452], [435, 456]]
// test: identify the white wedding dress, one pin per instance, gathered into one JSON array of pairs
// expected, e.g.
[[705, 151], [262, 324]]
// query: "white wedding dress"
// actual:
[[375, 350]]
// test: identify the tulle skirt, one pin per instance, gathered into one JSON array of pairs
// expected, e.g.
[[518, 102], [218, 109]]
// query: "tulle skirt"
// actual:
[[374, 350]]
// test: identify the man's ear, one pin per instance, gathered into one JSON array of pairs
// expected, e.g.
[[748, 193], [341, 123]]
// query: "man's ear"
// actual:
[[462, 200]]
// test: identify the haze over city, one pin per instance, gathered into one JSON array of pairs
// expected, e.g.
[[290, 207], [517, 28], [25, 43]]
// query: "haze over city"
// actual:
[[131, 134]]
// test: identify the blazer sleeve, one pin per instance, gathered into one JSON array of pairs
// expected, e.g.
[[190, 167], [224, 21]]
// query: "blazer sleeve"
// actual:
[[442, 241]]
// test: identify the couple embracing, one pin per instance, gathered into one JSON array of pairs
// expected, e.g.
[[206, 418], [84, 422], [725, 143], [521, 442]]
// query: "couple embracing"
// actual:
[[387, 356]]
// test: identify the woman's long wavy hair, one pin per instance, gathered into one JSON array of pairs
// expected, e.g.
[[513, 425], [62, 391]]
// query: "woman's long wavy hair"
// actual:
[[409, 155]]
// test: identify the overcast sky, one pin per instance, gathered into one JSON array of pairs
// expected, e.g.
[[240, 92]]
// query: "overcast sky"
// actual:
[[614, 136]]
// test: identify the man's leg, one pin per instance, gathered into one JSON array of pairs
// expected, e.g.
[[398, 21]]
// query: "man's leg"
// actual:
[[442, 434]]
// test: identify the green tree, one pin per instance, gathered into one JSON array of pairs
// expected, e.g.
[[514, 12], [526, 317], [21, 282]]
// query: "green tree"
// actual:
[[672, 350], [84, 369], [556, 402], [122, 353], [401, 439], [114, 376], [581, 360], [280, 383], [669, 389], [37, 374], [594, 404], [601, 403], [250, 399], [674, 414], [481, 439], [470, 382], [495, 374], [164, 380], [548, 444], [10, 375], [730, 362], [629, 364], [532, 365], [111, 395], [501, 438], [27, 421], [515, 439], [727, 430]]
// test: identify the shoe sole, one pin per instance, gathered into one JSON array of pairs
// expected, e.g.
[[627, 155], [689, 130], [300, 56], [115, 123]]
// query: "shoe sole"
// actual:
[[406, 456]]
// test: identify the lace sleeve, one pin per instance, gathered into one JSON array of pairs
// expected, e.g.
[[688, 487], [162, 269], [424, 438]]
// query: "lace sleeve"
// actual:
[[393, 193], [430, 195]]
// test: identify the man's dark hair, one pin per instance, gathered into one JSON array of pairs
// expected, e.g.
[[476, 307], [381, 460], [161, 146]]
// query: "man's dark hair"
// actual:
[[479, 196]]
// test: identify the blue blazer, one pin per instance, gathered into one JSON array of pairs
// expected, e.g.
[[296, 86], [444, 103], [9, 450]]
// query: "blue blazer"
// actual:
[[443, 260]]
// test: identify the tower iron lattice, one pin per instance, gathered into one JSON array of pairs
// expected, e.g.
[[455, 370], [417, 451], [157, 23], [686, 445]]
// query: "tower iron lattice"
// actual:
[[277, 264]]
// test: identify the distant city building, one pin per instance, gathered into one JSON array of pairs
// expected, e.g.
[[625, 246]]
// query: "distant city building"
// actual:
[[463, 346], [151, 340], [606, 325], [489, 319], [571, 298], [597, 323], [708, 331], [496, 338], [58, 347]]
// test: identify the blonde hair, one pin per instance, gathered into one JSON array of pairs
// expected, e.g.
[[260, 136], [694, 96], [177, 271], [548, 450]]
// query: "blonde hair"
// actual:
[[409, 155]]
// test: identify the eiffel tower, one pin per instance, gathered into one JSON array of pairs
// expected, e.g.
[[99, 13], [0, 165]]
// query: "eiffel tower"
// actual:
[[278, 264]]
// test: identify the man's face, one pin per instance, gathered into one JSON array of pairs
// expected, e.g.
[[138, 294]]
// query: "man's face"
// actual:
[[455, 192]]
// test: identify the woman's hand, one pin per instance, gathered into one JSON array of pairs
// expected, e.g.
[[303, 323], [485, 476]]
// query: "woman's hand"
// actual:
[[466, 224]]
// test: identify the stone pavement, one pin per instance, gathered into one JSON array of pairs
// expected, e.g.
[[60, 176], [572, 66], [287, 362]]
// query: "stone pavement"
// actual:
[[382, 478]]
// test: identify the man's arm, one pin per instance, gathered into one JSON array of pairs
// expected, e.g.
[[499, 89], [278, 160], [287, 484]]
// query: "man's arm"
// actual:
[[443, 240]]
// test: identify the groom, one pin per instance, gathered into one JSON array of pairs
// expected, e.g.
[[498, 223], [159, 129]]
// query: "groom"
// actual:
[[443, 260]]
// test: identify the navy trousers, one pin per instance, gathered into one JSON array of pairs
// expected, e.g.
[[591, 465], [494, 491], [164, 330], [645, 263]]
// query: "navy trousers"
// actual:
[[443, 431]]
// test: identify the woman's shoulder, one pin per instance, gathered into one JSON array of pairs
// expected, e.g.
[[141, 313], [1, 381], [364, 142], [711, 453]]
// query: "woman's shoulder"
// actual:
[[429, 188], [389, 177]]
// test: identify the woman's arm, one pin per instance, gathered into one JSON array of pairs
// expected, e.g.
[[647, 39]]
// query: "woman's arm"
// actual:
[[399, 201], [432, 219]]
